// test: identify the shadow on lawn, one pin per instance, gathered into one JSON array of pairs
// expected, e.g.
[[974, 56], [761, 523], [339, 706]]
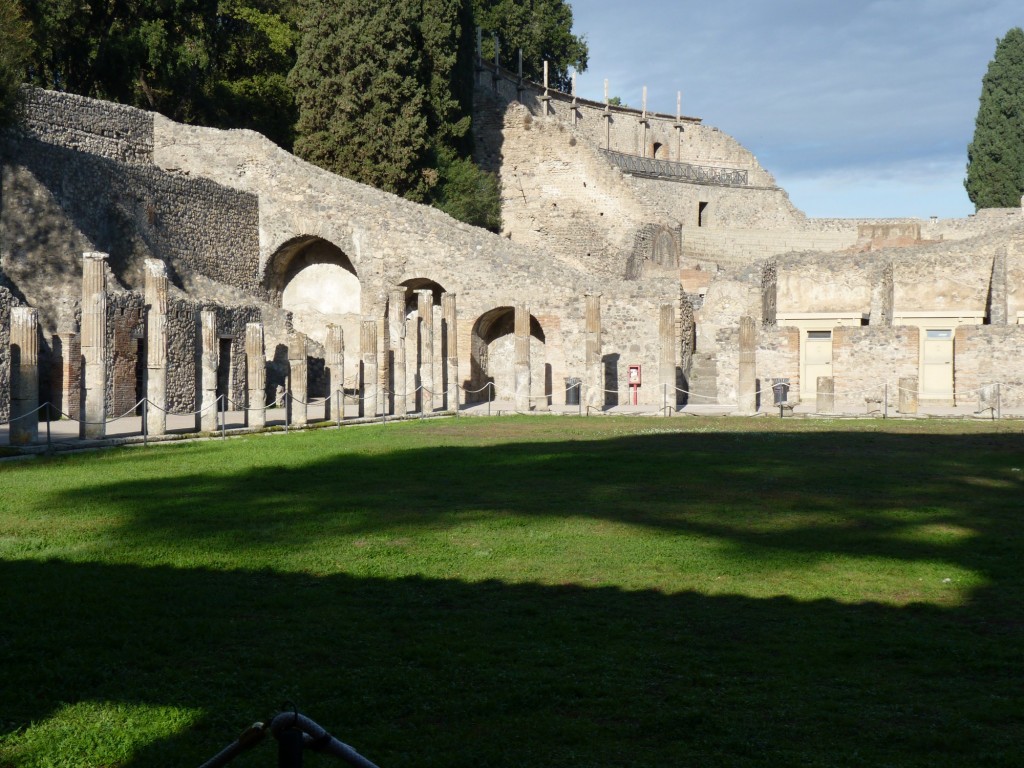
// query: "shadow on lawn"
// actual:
[[493, 674]]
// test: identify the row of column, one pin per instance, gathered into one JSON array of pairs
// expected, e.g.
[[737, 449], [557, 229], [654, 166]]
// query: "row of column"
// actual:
[[25, 382]]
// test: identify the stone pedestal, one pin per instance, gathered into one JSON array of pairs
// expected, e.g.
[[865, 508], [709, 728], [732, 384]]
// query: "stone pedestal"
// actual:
[[334, 351], [667, 354], [24, 427], [450, 330], [747, 394], [425, 307], [369, 387], [523, 377], [908, 399], [94, 345], [156, 347], [396, 337], [298, 373], [826, 395], [593, 389], [208, 356], [256, 375]]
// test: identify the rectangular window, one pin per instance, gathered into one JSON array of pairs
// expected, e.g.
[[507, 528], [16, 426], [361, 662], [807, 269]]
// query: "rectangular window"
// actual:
[[945, 333], [819, 335]]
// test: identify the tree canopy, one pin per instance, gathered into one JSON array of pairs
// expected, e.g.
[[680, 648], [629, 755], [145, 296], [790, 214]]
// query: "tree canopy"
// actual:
[[380, 92], [995, 158], [15, 48], [221, 63]]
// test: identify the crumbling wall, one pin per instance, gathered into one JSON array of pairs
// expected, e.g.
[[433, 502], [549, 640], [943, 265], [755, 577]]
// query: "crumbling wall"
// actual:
[[80, 178], [865, 358], [986, 355]]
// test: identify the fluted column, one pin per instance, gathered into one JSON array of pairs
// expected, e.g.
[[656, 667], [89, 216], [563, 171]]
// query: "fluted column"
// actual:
[[425, 307], [24, 427], [448, 318], [594, 394], [522, 358], [156, 346], [334, 351], [370, 386], [208, 354], [667, 353], [94, 344], [298, 366], [747, 399], [396, 337], [256, 375]]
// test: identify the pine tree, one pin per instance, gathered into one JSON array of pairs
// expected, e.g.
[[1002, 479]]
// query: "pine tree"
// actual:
[[995, 159], [357, 83]]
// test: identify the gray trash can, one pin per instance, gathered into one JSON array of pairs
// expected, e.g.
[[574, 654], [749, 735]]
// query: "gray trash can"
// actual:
[[572, 391], [780, 388]]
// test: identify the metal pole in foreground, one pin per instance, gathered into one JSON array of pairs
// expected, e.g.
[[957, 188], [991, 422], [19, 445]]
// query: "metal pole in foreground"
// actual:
[[579, 398], [145, 420], [490, 396], [284, 400], [999, 401], [49, 445], [885, 402], [341, 411], [223, 416]]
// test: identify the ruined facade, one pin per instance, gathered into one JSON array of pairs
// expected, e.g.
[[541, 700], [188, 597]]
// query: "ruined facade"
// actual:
[[629, 239]]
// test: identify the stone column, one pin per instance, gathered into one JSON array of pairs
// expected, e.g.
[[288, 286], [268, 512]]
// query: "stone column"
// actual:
[[156, 347], [24, 427], [208, 354], [94, 344], [396, 337], [256, 375], [826, 395], [667, 356], [908, 399], [369, 391], [298, 366], [594, 383], [334, 352], [747, 395], [448, 315], [425, 306], [522, 358]]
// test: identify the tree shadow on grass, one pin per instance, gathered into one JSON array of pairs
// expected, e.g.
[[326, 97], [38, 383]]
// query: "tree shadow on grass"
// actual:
[[431, 672]]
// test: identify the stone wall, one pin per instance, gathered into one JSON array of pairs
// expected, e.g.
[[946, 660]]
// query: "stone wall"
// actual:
[[125, 351], [778, 357], [989, 354], [80, 179], [864, 359]]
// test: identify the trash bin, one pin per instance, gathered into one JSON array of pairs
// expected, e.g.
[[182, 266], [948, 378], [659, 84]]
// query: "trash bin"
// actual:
[[572, 391], [780, 388]]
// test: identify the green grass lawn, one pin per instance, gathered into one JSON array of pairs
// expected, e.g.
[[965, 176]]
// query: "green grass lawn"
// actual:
[[524, 591]]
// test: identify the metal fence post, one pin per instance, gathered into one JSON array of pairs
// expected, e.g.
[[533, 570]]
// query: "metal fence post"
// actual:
[[284, 399], [223, 416], [49, 444], [885, 402], [145, 422]]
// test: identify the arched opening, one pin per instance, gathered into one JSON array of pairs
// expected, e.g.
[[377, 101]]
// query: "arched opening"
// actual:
[[492, 358], [314, 280], [655, 148]]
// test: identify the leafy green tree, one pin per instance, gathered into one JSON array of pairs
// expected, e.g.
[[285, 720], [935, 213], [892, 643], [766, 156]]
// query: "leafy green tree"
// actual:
[[362, 104], [468, 193], [15, 48], [542, 29], [995, 159], [216, 62]]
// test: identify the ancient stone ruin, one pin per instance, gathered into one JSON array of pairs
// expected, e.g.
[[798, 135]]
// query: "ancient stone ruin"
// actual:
[[151, 266]]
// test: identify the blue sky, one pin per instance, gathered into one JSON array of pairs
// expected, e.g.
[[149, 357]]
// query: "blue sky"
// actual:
[[858, 107]]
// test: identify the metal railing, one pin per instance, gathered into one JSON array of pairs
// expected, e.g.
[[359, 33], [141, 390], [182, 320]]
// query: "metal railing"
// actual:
[[669, 169]]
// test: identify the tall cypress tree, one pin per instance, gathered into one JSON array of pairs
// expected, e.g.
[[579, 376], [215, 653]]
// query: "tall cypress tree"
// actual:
[[15, 47], [995, 159], [362, 104]]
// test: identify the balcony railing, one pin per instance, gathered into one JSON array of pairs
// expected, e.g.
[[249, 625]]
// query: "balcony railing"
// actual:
[[667, 169]]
